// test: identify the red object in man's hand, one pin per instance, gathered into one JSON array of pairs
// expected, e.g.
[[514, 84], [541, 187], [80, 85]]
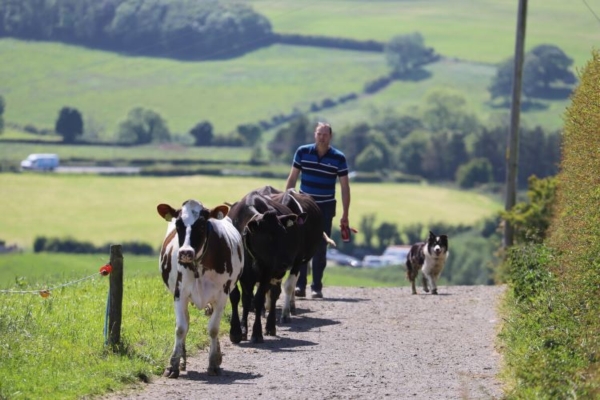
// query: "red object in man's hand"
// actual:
[[347, 232]]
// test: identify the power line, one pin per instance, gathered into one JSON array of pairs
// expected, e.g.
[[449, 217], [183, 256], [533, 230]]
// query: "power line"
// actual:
[[591, 10]]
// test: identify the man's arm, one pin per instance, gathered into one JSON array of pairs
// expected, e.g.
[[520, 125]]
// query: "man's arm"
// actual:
[[345, 184], [292, 178]]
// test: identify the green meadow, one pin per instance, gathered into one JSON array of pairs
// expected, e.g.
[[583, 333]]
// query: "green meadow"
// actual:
[[102, 209], [43, 77], [39, 78], [480, 31]]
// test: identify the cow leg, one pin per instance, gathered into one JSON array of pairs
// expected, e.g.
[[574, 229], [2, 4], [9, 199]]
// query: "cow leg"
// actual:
[[247, 298], [259, 304], [215, 357], [182, 323], [235, 330], [271, 328], [289, 298]]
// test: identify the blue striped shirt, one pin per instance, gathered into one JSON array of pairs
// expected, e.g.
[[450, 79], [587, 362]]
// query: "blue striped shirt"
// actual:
[[320, 174]]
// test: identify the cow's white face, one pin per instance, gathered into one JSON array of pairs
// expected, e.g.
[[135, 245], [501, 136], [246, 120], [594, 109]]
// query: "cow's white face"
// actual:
[[191, 231]]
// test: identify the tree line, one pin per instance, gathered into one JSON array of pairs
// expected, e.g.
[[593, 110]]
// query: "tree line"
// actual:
[[185, 29]]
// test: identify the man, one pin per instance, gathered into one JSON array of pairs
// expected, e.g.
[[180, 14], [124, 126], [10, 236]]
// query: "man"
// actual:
[[320, 165]]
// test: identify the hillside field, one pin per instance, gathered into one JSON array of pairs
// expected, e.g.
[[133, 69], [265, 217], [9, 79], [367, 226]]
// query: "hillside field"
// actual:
[[37, 79], [114, 210], [480, 31]]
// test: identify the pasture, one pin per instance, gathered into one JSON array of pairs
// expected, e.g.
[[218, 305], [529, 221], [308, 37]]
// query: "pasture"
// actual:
[[480, 31], [102, 209], [40, 78]]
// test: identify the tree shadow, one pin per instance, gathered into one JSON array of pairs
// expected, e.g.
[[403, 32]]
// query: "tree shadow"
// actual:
[[526, 105], [552, 93]]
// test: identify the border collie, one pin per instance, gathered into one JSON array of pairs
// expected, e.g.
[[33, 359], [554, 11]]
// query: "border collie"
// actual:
[[430, 256]]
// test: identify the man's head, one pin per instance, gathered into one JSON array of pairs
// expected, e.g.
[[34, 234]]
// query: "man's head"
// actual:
[[323, 134]]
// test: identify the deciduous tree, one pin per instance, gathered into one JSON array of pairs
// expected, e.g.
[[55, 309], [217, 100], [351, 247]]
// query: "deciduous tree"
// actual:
[[69, 124]]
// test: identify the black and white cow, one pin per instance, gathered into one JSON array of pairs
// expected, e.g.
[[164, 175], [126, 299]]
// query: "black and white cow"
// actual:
[[201, 259], [271, 241], [312, 235]]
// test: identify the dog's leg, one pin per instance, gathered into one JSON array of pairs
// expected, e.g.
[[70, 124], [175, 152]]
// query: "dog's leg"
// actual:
[[425, 281], [411, 274]]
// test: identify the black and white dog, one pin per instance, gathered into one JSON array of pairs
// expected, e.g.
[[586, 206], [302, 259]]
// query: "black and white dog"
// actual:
[[430, 256]]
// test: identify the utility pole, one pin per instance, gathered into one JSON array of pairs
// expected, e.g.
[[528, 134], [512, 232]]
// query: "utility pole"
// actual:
[[515, 110]]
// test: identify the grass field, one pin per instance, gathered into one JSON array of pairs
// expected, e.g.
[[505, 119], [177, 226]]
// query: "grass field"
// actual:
[[118, 209], [41, 78], [482, 30]]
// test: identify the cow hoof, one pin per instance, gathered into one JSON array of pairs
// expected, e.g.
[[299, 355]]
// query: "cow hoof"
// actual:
[[171, 373], [434, 291], [269, 332], [235, 338], [214, 371], [286, 319], [426, 289], [257, 339], [414, 292]]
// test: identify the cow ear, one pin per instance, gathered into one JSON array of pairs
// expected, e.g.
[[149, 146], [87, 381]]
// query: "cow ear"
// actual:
[[302, 218], [219, 212], [166, 211], [288, 220]]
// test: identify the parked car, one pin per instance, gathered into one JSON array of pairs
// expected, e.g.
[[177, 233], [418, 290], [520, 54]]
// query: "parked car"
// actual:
[[398, 252], [40, 162], [372, 261], [340, 258]]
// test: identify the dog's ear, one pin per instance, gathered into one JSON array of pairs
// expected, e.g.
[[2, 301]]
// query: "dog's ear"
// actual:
[[431, 235]]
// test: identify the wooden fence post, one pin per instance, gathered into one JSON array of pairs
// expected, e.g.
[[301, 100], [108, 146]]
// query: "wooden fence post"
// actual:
[[116, 295]]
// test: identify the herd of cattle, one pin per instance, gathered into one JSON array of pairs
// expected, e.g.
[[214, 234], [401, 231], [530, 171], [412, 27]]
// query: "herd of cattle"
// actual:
[[255, 242]]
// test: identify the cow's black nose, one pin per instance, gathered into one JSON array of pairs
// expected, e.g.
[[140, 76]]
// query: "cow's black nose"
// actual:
[[186, 256]]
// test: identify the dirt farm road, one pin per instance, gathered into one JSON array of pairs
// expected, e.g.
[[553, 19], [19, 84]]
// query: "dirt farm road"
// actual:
[[358, 343]]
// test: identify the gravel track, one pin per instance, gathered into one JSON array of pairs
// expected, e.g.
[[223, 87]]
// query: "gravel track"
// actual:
[[358, 343]]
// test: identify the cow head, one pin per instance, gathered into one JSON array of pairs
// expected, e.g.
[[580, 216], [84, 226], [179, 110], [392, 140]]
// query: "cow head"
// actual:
[[192, 226], [273, 239]]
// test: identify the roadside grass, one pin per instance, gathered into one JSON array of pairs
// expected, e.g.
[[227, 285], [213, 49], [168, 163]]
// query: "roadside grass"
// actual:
[[111, 210], [54, 347], [482, 31], [548, 341]]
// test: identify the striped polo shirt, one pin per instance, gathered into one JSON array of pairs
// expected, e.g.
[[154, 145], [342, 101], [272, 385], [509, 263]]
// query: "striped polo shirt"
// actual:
[[320, 174]]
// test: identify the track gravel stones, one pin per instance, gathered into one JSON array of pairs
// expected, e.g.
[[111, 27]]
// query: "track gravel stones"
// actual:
[[358, 343]]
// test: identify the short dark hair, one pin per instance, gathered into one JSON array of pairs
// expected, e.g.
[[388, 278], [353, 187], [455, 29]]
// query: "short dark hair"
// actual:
[[327, 125]]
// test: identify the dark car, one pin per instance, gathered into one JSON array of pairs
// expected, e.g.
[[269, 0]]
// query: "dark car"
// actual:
[[337, 257]]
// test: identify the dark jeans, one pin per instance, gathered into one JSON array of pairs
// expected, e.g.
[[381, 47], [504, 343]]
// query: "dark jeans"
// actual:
[[319, 260]]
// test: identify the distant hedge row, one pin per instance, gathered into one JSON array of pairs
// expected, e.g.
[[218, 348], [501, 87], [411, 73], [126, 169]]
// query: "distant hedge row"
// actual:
[[331, 42], [70, 245]]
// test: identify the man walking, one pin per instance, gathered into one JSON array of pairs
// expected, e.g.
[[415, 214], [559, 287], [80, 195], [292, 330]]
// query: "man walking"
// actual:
[[320, 165]]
